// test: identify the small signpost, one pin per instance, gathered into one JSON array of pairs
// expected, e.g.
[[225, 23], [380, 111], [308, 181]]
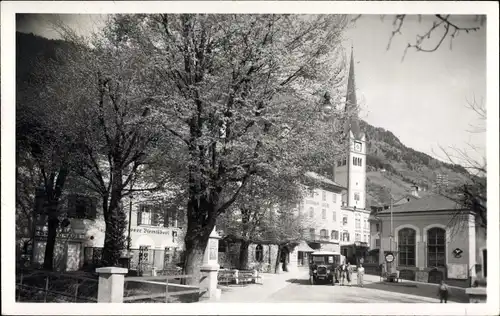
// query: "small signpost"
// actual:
[[389, 257]]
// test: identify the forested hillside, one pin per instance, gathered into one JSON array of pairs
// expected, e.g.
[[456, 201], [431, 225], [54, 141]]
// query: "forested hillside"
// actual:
[[404, 166]]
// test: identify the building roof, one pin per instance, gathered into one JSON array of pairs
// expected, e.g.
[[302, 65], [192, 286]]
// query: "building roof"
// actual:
[[407, 197], [425, 204], [316, 177], [323, 252]]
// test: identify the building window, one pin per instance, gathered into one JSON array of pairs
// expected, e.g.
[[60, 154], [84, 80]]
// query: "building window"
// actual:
[[174, 236], [312, 233], [344, 220], [159, 215], [311, 212], [81, 206], [323, 234], [344, 162], [339, 163], [357, 161], [323, 193], [358, 222], [334, 216], [377, 227], [358, 237], [377, 242], [334, 197], [406, 245], [356, 196], [259, 253], [345, 236], [323, 214], [366, 224], [436, 247], [335, 235], [143, 255]]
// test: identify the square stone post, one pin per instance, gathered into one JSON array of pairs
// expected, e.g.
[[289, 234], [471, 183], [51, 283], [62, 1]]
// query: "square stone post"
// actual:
[[210, 269], [111, 284]]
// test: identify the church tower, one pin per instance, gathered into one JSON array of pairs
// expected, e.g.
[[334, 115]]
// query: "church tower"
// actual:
[[350, 170]]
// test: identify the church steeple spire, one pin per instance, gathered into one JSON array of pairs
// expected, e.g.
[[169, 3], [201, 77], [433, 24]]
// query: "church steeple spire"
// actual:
[[351, 100]]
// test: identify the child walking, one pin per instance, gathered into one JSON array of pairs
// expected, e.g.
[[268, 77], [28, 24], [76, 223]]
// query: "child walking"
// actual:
[[443, 292]]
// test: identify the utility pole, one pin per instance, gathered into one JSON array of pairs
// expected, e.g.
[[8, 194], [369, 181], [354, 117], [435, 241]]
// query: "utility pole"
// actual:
[[391, 236]]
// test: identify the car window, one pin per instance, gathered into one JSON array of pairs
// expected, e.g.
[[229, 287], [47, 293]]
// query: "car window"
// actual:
[[318, 259]]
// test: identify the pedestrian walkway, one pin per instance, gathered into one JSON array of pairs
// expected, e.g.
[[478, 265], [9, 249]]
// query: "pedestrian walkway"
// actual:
[[457, 294], [260, 292]]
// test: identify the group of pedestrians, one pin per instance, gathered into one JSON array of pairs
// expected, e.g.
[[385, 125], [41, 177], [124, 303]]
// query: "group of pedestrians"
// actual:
[[345, 272]]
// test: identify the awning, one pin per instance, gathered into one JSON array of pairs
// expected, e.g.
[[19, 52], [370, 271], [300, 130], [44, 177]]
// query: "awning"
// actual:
[[303, 246]]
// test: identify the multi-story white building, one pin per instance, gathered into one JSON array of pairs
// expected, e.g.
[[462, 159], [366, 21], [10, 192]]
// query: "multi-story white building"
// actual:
[[321, 215]]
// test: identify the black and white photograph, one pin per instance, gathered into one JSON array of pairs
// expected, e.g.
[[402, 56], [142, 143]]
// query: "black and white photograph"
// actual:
[[185, 153]]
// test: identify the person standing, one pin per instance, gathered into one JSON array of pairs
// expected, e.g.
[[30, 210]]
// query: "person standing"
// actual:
[[349, 273], [361, 274], [443, 292], [342, 273]]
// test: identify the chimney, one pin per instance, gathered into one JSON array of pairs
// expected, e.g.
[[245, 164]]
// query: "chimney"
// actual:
[[414, 190]]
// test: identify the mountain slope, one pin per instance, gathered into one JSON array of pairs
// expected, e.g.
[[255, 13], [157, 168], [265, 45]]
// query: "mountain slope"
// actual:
[[403, 166]]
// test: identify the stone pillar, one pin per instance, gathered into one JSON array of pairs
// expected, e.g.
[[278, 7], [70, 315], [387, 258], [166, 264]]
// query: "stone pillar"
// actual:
[[111, 284], [210, 269]]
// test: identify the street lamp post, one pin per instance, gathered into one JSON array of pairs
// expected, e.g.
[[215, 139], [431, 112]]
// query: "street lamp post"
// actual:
[[391, 235], [129, 218]]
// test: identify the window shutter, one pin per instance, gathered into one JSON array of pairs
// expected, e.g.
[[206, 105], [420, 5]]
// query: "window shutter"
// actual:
[[92, 208], [154, 211], [139, 215], [181, 218], [166, 217], [72, 205]]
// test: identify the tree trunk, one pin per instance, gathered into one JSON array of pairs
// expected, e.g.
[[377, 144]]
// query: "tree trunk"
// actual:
[[243, 258], [278, 260], [195, 250], [116, 224], [52, 224]]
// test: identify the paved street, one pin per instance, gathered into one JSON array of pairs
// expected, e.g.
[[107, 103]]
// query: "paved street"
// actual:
[[295, 287]]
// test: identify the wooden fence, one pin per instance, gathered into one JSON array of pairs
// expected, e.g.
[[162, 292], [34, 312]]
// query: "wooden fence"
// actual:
[[53, 287], [162, 289]]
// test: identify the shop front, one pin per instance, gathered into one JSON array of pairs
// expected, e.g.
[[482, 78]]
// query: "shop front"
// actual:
[[68, 249]]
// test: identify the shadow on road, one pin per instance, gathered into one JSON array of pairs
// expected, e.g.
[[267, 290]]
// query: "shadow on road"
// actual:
[[306, 282], [299, 281], [424, 290]]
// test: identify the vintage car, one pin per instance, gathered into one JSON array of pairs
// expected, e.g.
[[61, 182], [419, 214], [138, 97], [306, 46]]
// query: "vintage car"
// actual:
[[323, 266]]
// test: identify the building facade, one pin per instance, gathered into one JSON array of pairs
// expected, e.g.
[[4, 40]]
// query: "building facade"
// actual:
[[432, 239], [155, 232]]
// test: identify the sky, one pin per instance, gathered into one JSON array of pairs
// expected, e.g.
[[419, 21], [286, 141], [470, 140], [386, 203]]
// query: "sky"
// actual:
[[421, 99]]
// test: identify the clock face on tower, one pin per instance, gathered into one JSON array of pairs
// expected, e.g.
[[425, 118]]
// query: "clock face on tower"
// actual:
[[357, 146]]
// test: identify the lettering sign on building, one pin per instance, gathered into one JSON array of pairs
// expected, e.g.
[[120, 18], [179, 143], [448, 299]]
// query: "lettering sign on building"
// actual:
[[144, 230], [67, 233]]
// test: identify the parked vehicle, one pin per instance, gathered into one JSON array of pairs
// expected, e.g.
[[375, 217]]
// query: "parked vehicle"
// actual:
[[323, 267]]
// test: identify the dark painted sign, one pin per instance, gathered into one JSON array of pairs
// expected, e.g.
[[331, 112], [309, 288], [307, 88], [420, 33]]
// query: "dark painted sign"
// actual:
[[457, 252]]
